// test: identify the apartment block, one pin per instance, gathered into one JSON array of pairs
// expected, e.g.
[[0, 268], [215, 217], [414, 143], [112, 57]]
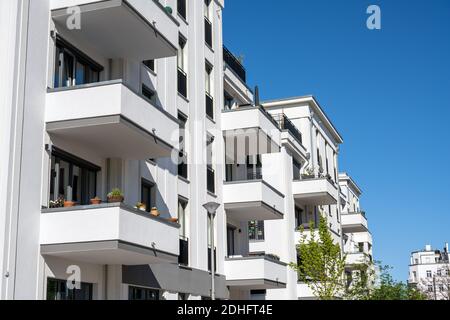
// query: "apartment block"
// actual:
[[120, 120], [357, 238], [429, 271]]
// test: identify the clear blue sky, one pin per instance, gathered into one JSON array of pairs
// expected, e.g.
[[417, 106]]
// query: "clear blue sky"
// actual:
[[387, 92]]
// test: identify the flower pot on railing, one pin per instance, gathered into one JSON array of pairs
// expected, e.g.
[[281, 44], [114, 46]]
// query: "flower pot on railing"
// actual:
[[95, 201], [69, 204], [174, 220], [115, 196], [154, 212]]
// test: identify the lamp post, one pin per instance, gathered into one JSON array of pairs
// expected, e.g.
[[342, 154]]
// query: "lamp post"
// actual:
[[211, 208]]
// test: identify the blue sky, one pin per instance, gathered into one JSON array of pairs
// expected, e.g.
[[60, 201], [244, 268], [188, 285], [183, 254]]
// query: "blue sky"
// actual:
[[387, 92]]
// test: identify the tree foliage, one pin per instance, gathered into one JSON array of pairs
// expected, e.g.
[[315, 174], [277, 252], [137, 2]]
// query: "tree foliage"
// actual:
[[321, 264]]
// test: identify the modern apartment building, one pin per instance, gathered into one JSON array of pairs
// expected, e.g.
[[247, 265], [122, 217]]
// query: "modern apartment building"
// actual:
[[357, 237], [429, 271], [119, 120]]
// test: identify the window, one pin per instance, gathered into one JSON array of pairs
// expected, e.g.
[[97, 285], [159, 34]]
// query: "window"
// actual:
[[183, 258], [136, 293], [181, 8], [210, 173], [182, 164], [182, 218], [182, 75], [439, 272], [148, 194], [230, 240], [149, 64], [208, 24], [416, 261], [298, 217], [361, 246], [181, 295], [430, 288], [208, 90], [149, 94], [296, 166], [256, 230], [58, 290], [72, 67], [429, 275], [72, 178], [228, 101], [327, 169], [441, 288]]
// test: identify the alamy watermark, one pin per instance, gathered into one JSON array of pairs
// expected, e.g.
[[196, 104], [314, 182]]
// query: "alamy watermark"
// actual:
[[374, 20]]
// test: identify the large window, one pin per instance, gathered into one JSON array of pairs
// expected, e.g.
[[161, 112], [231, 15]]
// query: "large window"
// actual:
[[72, 67], [72, 178], [208, 90], [150, 64], [148, 194], [137, 293], [230, 240], [208, 23], [58, 290]]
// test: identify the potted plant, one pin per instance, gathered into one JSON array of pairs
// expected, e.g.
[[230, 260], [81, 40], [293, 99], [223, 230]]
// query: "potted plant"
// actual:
[[69, 203], [173, 220], [309, 173], [58, 203], [154, 212], [141, 206], [95, 201], [115, 195]]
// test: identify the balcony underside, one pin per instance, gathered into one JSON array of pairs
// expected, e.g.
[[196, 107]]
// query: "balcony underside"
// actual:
[[111, 137], [107, 252], [314, 192], [354, 228], [117, 30], [256, 284], [248, 211]]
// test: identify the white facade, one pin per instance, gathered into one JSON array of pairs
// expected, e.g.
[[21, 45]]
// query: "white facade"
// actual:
[[114, 100], [429, 271]]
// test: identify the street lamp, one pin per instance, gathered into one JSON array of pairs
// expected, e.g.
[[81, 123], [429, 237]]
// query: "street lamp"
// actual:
[[211, 207]]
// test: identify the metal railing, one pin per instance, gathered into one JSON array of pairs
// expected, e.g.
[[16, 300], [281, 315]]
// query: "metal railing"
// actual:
[[234, 64], [182, 82], [247, 175], [285, 124]]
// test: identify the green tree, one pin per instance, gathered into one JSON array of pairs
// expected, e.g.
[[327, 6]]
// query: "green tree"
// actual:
[[320, 264], [389, 289]]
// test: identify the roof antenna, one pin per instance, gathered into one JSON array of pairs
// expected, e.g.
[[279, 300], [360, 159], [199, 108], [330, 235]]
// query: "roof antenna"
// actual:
[[256, 96]]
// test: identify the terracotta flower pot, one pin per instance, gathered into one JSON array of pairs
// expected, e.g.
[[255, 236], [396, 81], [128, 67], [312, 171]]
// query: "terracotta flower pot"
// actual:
[[69, 204], [115, 199], [154, 212], [173, 220], [96, 201]]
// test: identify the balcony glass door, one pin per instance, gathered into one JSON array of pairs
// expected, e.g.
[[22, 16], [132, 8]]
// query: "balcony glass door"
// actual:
[[72, 179], [230, 240]]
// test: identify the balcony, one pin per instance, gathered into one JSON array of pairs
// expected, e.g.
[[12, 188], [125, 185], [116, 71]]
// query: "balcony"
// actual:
[[255, 272], [234, 64], [111, 119], [108, 234], [249, 130], [354, 222], [315, 191], [357, 258], [117, 28], [252, 200], [286, 124]]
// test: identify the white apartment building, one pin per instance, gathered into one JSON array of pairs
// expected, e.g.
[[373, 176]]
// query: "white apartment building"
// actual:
[[142, 96], [429, 271], [357, 237]]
